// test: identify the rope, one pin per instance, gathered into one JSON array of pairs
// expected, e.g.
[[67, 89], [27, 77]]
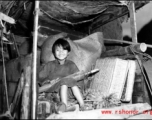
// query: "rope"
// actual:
[[4, 70], [7, 114], [140, 65], [12, 35]]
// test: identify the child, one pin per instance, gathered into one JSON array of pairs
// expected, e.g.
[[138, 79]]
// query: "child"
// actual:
[[61, 67]]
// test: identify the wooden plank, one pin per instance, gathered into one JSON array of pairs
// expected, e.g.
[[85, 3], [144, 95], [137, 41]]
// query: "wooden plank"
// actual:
[[122, 112]]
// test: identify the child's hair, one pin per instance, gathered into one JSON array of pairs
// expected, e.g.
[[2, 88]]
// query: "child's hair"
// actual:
[[61, 42]]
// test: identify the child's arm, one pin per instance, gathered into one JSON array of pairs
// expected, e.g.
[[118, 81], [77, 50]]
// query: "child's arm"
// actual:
[[43, 72]]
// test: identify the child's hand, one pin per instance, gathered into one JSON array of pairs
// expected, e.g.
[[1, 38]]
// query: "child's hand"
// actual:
[[45, 82], [53, 81]]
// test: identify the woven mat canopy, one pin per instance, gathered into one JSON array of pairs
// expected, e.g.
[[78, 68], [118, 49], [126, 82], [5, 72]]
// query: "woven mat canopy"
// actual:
[[74, 16]]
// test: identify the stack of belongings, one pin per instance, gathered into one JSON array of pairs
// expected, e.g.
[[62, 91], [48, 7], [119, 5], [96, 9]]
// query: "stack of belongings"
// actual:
[[116, 77], [123, 76]]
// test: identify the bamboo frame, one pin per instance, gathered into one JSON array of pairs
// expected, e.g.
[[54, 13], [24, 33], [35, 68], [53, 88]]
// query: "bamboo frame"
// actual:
[[34, 93], [34, 83]]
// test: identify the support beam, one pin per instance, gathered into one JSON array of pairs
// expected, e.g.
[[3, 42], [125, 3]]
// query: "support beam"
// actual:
[[126, 42], [133, 21], [4, 71], [26, 95], [140, 47], [34, 65]]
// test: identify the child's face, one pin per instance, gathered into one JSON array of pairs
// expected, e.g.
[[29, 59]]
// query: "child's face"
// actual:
[[60, 53]]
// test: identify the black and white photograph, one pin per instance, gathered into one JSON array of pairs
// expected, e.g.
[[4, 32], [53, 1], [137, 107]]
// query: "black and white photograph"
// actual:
[[75, 59]]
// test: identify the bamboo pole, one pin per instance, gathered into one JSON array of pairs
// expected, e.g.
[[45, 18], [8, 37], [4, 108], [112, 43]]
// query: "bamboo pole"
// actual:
[[75, 76], [127, 42], [133, 21], [141, 47], [4, 71], [25, 107], [34, 83], [17, 96]]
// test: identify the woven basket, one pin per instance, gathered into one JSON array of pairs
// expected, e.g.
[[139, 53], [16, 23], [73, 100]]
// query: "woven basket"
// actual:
[[111, 77]]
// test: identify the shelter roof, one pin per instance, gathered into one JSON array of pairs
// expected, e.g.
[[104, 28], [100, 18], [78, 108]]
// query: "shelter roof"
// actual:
[[74, 16]]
